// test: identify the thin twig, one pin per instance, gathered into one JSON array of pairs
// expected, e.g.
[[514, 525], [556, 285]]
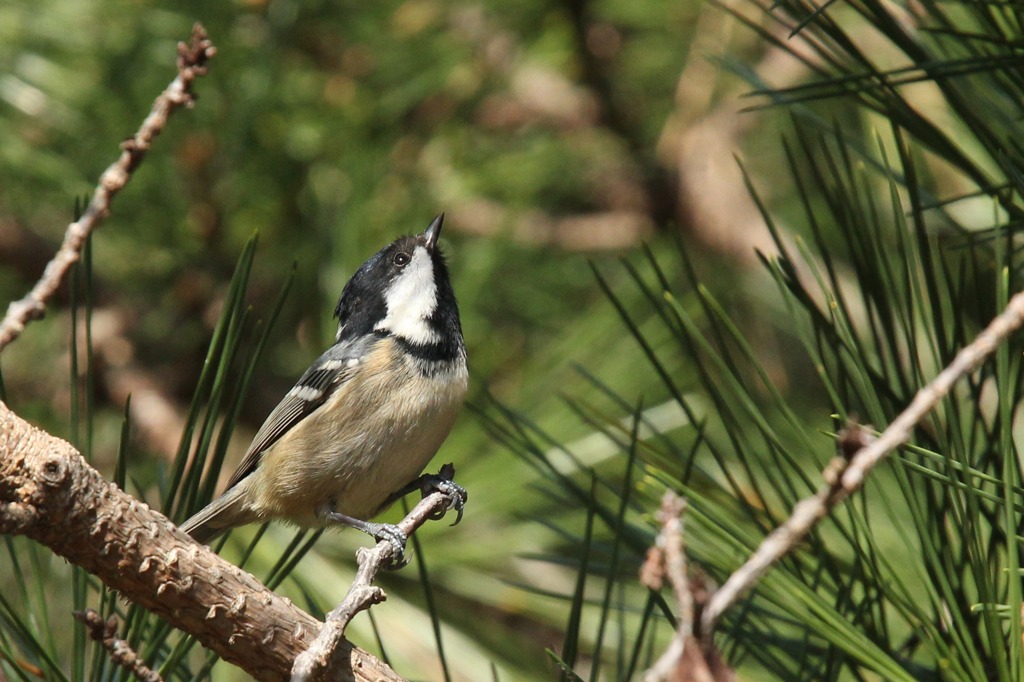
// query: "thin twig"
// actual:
[[192, 59], [668, 560], [119, 650], [363, 594], [811, 510], [690, 656]]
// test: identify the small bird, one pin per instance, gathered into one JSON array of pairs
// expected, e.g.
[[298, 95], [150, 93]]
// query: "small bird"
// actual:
[[355, 432]]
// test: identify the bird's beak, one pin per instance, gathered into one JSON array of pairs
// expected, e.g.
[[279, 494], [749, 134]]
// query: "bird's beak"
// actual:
[[433, 233]]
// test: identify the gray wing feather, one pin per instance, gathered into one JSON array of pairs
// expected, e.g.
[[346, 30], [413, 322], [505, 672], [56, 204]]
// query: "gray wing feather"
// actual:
[[216, 517], [330, 371]]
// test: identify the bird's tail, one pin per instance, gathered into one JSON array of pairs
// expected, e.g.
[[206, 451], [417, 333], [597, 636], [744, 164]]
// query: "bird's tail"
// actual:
[[222, 514]]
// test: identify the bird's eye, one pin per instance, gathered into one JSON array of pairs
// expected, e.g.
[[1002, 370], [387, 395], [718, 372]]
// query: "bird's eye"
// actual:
[[401, 258]]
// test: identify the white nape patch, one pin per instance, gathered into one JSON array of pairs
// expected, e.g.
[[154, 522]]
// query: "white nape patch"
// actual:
[[306, 393], [411, 299]]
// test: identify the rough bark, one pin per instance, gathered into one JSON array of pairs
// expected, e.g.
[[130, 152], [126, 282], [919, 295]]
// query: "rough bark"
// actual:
[[50, 494]]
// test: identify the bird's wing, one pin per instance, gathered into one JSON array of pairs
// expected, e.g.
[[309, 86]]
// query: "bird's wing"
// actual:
[[324, 377]]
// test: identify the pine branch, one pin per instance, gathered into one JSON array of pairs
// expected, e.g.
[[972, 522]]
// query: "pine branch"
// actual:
[[846, 476], [50, 494]]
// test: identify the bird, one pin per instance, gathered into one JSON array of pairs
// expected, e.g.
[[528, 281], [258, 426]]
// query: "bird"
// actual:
[[358, 428]]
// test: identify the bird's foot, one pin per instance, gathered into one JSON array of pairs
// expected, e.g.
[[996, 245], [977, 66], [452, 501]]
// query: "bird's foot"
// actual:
[[442, 482], [381, 532]]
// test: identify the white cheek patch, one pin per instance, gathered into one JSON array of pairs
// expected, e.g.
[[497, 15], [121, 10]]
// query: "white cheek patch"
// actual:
[[411, 299]]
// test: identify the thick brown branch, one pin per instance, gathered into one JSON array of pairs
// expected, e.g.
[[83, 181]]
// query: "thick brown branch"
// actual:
[[50, 494], [192, 61]]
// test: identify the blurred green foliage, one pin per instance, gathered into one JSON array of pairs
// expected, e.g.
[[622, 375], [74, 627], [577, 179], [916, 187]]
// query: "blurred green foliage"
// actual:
[[552, 134], [328, 129]]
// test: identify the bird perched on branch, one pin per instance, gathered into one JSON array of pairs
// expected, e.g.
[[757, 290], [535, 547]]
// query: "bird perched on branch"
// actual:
[[356, 431]]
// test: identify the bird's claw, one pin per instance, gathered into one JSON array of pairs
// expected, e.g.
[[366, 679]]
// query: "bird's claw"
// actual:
[[381, 532], [456, 496], [393, 535]]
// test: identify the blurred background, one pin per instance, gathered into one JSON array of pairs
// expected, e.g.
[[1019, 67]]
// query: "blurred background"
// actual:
[[578, 149]]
